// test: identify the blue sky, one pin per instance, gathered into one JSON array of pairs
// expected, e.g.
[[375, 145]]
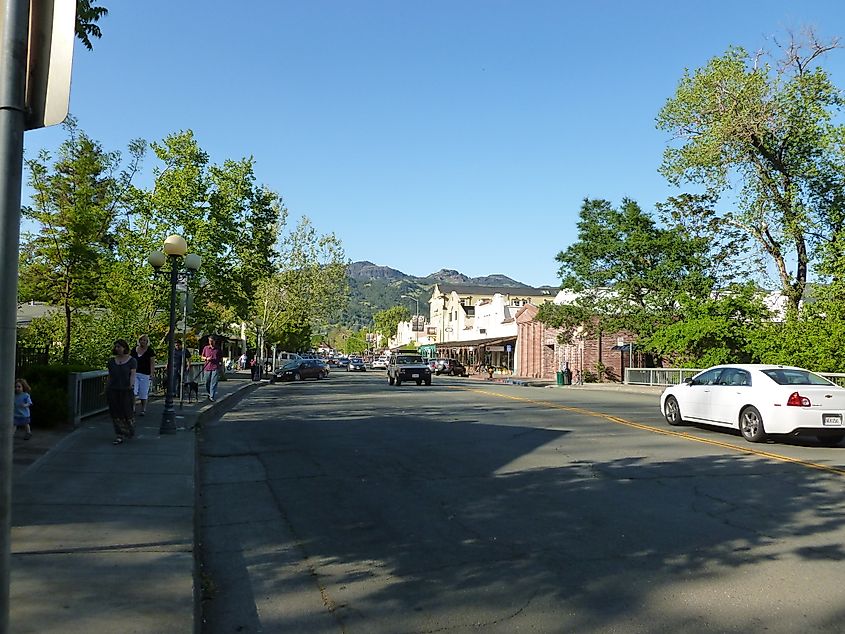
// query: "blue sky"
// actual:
[[459, 134]]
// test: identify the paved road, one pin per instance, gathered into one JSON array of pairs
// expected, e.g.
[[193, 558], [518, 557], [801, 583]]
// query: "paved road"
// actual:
[[349, 506]]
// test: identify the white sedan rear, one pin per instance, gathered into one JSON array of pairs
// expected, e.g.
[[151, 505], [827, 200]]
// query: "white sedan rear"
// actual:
[[760, 400]]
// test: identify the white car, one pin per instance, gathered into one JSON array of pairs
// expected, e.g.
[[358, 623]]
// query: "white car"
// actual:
[[760, 400], [379, 364]]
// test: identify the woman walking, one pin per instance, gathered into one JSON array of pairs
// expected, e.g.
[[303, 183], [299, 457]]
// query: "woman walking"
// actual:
[[120, 391], [146, 358]]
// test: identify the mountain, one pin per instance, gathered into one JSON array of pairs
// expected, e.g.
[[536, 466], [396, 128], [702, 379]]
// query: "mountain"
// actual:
[[373, 288]]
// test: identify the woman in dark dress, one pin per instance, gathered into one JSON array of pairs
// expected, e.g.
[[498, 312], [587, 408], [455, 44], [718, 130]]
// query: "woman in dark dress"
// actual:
[[120, 391]]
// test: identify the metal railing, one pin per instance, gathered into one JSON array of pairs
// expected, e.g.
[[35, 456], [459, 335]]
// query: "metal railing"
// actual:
[[674, 376], [86, 391]]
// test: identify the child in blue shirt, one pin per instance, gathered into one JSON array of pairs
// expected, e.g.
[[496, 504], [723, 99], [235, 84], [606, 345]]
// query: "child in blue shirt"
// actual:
[[22, 404]]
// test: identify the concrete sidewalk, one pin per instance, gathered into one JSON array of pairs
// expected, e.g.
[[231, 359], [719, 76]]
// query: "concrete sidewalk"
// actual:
[[103, 535]]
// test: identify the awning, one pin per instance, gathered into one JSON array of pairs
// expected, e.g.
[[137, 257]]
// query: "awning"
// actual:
[[474, 343]]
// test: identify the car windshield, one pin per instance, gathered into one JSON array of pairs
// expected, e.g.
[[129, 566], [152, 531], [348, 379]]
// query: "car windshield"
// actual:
[[794, 376], [409, 358]]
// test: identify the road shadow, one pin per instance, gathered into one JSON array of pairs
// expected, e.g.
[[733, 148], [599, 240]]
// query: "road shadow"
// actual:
[[461, 519]]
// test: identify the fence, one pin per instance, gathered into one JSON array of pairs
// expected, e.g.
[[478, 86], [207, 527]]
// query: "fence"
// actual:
[[25, 357], [86, 391], [674, 376]]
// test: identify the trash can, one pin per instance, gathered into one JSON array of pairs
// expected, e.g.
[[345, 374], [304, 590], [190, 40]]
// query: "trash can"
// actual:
[[567, 376], [560, 377]]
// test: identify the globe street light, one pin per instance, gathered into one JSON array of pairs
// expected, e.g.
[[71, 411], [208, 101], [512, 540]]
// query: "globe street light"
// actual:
[[175, 249]]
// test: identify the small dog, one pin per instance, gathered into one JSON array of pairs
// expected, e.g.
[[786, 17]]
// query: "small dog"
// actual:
[[189, 388]]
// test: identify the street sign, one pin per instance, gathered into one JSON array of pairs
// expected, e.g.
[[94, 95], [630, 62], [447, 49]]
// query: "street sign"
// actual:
[[508, 348], [52, 25], [495, 348]]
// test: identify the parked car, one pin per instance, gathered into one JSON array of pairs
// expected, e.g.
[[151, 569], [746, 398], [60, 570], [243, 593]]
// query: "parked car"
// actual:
[[301, 370], [760, 400], [451, 367], [379, 363], [356, 365], [432, 365]]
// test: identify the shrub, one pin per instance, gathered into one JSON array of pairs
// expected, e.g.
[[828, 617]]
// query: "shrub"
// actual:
[[49, 392]]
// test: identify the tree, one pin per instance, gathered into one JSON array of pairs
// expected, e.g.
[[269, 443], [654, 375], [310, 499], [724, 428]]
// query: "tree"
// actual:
[[87, 17], [226, 218], [627, 272], [75, 203], [312, 271], [387, 321], [765, 134]]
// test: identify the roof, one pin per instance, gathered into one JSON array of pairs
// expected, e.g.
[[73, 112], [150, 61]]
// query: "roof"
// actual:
[[469, 289], [487, 341]]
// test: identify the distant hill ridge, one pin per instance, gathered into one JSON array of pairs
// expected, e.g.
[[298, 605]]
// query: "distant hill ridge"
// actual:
[[365, 270]]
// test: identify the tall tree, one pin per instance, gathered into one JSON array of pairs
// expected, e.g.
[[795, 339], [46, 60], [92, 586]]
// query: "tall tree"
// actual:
[[227, 219], [308, 288], [627, 271], [764, 134], [75, 202], [387, 321]]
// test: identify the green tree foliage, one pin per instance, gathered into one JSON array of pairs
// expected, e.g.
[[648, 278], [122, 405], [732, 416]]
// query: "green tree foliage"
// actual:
[[307, 290], [627, 271], [387, 321], [226, 219], [658, 283], [764, 134], [75, 203], [723, 328], [87, 16]]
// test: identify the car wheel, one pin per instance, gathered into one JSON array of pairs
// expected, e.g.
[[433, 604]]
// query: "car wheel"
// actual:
[[830, 441], [428, 381], [751, 425], [673, 411], [419, 381], [389, 380]]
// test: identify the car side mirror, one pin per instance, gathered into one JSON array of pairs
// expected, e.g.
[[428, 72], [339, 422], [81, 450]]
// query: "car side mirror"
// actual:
[[688, 380]]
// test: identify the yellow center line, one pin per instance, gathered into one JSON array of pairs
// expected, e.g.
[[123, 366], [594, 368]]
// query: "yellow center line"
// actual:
[[665, 432]]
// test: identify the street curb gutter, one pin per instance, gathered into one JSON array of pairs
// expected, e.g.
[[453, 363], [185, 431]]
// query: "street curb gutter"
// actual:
[[208, 414]]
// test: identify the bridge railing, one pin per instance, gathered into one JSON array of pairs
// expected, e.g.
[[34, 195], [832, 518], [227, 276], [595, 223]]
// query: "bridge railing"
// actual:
[[674, 376]]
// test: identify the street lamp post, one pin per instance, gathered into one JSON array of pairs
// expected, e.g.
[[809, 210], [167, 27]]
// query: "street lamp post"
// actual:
[[416, 317], [175, 249]]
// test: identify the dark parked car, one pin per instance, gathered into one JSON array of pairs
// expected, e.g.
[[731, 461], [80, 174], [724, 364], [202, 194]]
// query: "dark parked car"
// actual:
[[451, 367], [301, 370], [356, 365]]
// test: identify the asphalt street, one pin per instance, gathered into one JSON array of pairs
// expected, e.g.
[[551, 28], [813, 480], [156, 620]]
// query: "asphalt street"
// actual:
[[346, 505]]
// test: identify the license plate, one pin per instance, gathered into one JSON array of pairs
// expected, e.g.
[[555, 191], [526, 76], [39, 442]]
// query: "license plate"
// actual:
[[831, 419], [415, 376]]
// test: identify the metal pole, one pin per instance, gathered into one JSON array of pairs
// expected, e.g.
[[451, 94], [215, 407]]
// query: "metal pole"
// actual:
[[14, 20], [168, 416]]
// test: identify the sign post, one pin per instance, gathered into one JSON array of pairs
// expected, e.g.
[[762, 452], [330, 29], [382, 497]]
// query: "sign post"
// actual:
[[36, 46]]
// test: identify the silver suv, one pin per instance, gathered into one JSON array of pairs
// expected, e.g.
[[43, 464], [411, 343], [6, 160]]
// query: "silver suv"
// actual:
[[408, 366]]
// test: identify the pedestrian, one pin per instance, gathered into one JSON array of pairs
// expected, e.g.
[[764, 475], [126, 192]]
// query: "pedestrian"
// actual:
[[120, 391], [146, 357], [252, 362], [242, 362], [212, 357], [181, 361], [23, 402]]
